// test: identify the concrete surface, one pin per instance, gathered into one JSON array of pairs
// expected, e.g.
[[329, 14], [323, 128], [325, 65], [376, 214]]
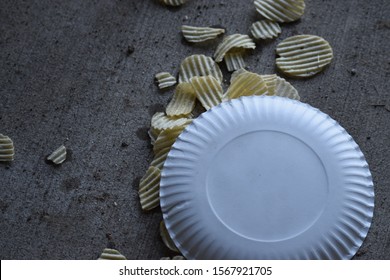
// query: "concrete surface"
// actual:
[[81, 73]]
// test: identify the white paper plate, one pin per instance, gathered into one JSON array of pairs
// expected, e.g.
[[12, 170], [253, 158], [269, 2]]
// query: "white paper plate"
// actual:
[[266, 178]]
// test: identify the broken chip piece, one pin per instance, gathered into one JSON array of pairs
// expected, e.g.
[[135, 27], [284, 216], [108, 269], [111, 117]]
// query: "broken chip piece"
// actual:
[[280, 10], [233, 41], [58, 156], [7, 150], [265, 29], [303, 55], [166, 238], [208, 91], [183, 101], [111, 254], [198, 65], [200, 34], [165, 80], [149, 188]]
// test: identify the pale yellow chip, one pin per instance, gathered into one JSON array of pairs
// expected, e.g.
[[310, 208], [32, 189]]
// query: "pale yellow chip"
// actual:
[[303, 55], [173, 2], [149, 188], [246, 84], [58, 156], [183, 101], [7, 150], [166, 138], [208, 91], [159, 158], [234, 59], [265, 29], [198, 65], [270, 80], [200, 34], [165, 80], [280, 10], [111, 254], [233, 41], [166, 238], [285, 89], [160, 122]]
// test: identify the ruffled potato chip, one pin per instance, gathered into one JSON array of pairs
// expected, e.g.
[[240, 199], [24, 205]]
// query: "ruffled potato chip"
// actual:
[[265, 29], [149, 188], [160, 122], [111, 254], [166, 238], [245, 83], [234, 59], [280, 10], [303, 55], [183, 101], [7, 150], [198, 65], [200, 34], [270, 80], [285, 89], [166, 138], [165, 80], [173, 3], [208, 91], [233, 41], [58, 156]]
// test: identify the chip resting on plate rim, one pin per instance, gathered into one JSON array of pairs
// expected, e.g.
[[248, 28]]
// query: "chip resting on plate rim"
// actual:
[[266, 177]]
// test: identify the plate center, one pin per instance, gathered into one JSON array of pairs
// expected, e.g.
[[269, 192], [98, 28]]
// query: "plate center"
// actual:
[[267, 185]]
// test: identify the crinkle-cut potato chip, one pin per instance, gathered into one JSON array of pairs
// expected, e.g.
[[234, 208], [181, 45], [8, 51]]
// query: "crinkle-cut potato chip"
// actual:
[[165, 80], [270, 80], [149, 188], [233, 41], [159, 158], [234, 59], [303, 55], [173, 2], [265, 29], [183, 101], [198, 65], [280, 10], [111, 254], [7, 150], [58, 156], [175, 258], [161, 122], [166, 238], [166, 138], [246, 84], [208, 91], [200, 34], [285, 89]]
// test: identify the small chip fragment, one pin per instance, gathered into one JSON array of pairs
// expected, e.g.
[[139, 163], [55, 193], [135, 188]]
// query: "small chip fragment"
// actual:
[[285, 89], [208, 91], [166, 238], [198, 65], [303, 55], [183, 101], [7, 150], [245, 83], [175, 258], [200, 34], [265, 29], [58, 156], [234, 59], [165, 80], [280, 10], [149, 188], [173, 2], [233, 41], [111, 254]]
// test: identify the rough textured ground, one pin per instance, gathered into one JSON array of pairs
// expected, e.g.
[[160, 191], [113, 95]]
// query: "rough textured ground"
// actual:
[[81, 73]]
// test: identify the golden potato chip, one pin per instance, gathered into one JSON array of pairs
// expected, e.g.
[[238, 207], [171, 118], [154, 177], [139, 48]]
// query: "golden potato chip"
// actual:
[[149, 189], [58, 156], [166, 138], [173, 2], [303, 55], [200, 34], [208, 91], [111, 254], [233, 41], [183, 101], [265, 29], [280, 10], [234, 59], [7, 150], [270, 81], [198, 65], [166, 238], [285, 89], [245, 84], [160, 157], [161, 122], [165, 80]]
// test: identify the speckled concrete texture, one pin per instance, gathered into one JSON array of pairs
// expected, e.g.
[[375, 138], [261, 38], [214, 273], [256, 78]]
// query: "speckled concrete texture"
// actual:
[[81, 73]]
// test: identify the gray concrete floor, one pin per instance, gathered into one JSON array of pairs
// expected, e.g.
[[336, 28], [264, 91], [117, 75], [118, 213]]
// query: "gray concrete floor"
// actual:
[[67, 77]]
